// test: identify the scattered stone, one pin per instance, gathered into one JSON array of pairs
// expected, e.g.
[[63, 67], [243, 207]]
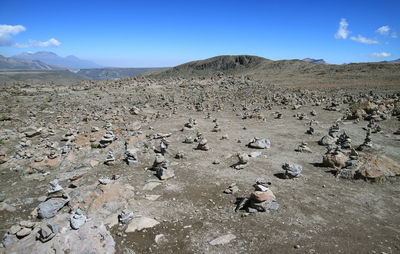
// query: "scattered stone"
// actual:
[[179, 155], [77, 219], [292, 170], [14, 229], [160, 238], [139, 223], [164, 173], [224, 239], [95, 129], [151, 185], [104, 181], [259, 143], [216, 128], [24, 232], [327, 141], [303, 148], [188, 140], [27, 224], [254, 154], [131, 157], [47, 232], [50, 207], [232, 189], [243, 158], [125, 217]]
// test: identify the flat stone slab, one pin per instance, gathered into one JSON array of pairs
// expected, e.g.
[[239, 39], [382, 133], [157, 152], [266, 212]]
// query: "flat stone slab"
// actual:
[[224, 239], [140, 223]]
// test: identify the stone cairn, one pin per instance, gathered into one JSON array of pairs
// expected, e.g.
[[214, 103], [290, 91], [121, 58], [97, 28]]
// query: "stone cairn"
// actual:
[[160, 165], [203, 145], [344, 141], [262, 199], [367, 141]]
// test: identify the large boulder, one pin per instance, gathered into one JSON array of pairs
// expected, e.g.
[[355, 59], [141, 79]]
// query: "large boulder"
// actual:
[[375, 167], [337, 161]]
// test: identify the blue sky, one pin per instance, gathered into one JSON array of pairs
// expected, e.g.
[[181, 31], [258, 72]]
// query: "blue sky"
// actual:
[[167, 33]]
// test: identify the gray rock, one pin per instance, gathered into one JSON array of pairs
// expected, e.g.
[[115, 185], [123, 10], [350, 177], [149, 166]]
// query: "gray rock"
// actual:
[[165, 173], [104, 181], [9, 239], [140, 223], [50, 207], [243, 158], [47, 232], [224, 239], [292, 170], [125, 216], [77, 219], [262, 143]]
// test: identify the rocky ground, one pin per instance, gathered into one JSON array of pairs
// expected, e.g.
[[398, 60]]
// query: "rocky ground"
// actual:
[[206, 165]]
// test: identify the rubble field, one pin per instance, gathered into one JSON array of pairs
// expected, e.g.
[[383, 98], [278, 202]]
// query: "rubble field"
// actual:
[[222, 164]]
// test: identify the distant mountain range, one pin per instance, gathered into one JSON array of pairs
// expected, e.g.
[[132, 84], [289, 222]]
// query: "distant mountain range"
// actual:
[[112, 73], [51, 58], [392, 62], [8, 63], [311, 60]]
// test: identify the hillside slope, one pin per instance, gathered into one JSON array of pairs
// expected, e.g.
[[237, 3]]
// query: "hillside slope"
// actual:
[[287, 72]]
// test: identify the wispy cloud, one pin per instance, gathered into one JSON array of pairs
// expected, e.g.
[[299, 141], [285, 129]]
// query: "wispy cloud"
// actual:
[[32, 43], [7, 31], [383, 30], [394, 35], [342, 32], [362, 39], [380, 55]]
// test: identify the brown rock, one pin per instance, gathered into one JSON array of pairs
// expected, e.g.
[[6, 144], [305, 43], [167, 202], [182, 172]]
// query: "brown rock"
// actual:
[[261, 196], [337, 161]]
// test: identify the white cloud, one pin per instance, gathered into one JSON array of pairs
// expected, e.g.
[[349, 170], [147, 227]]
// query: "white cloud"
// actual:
[[50, 43], [32, 43], [383, 30], [6, 31], [342, 32], [380, 55], [362, 39], [394, 35]]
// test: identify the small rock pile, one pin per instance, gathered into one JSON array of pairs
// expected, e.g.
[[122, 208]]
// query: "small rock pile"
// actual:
[[344, 141], [57, 198], [367, 141], [243, 160], [303, 148], [131, 157], [203, 145], [160, 165], [262, 199], [110, 159]]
